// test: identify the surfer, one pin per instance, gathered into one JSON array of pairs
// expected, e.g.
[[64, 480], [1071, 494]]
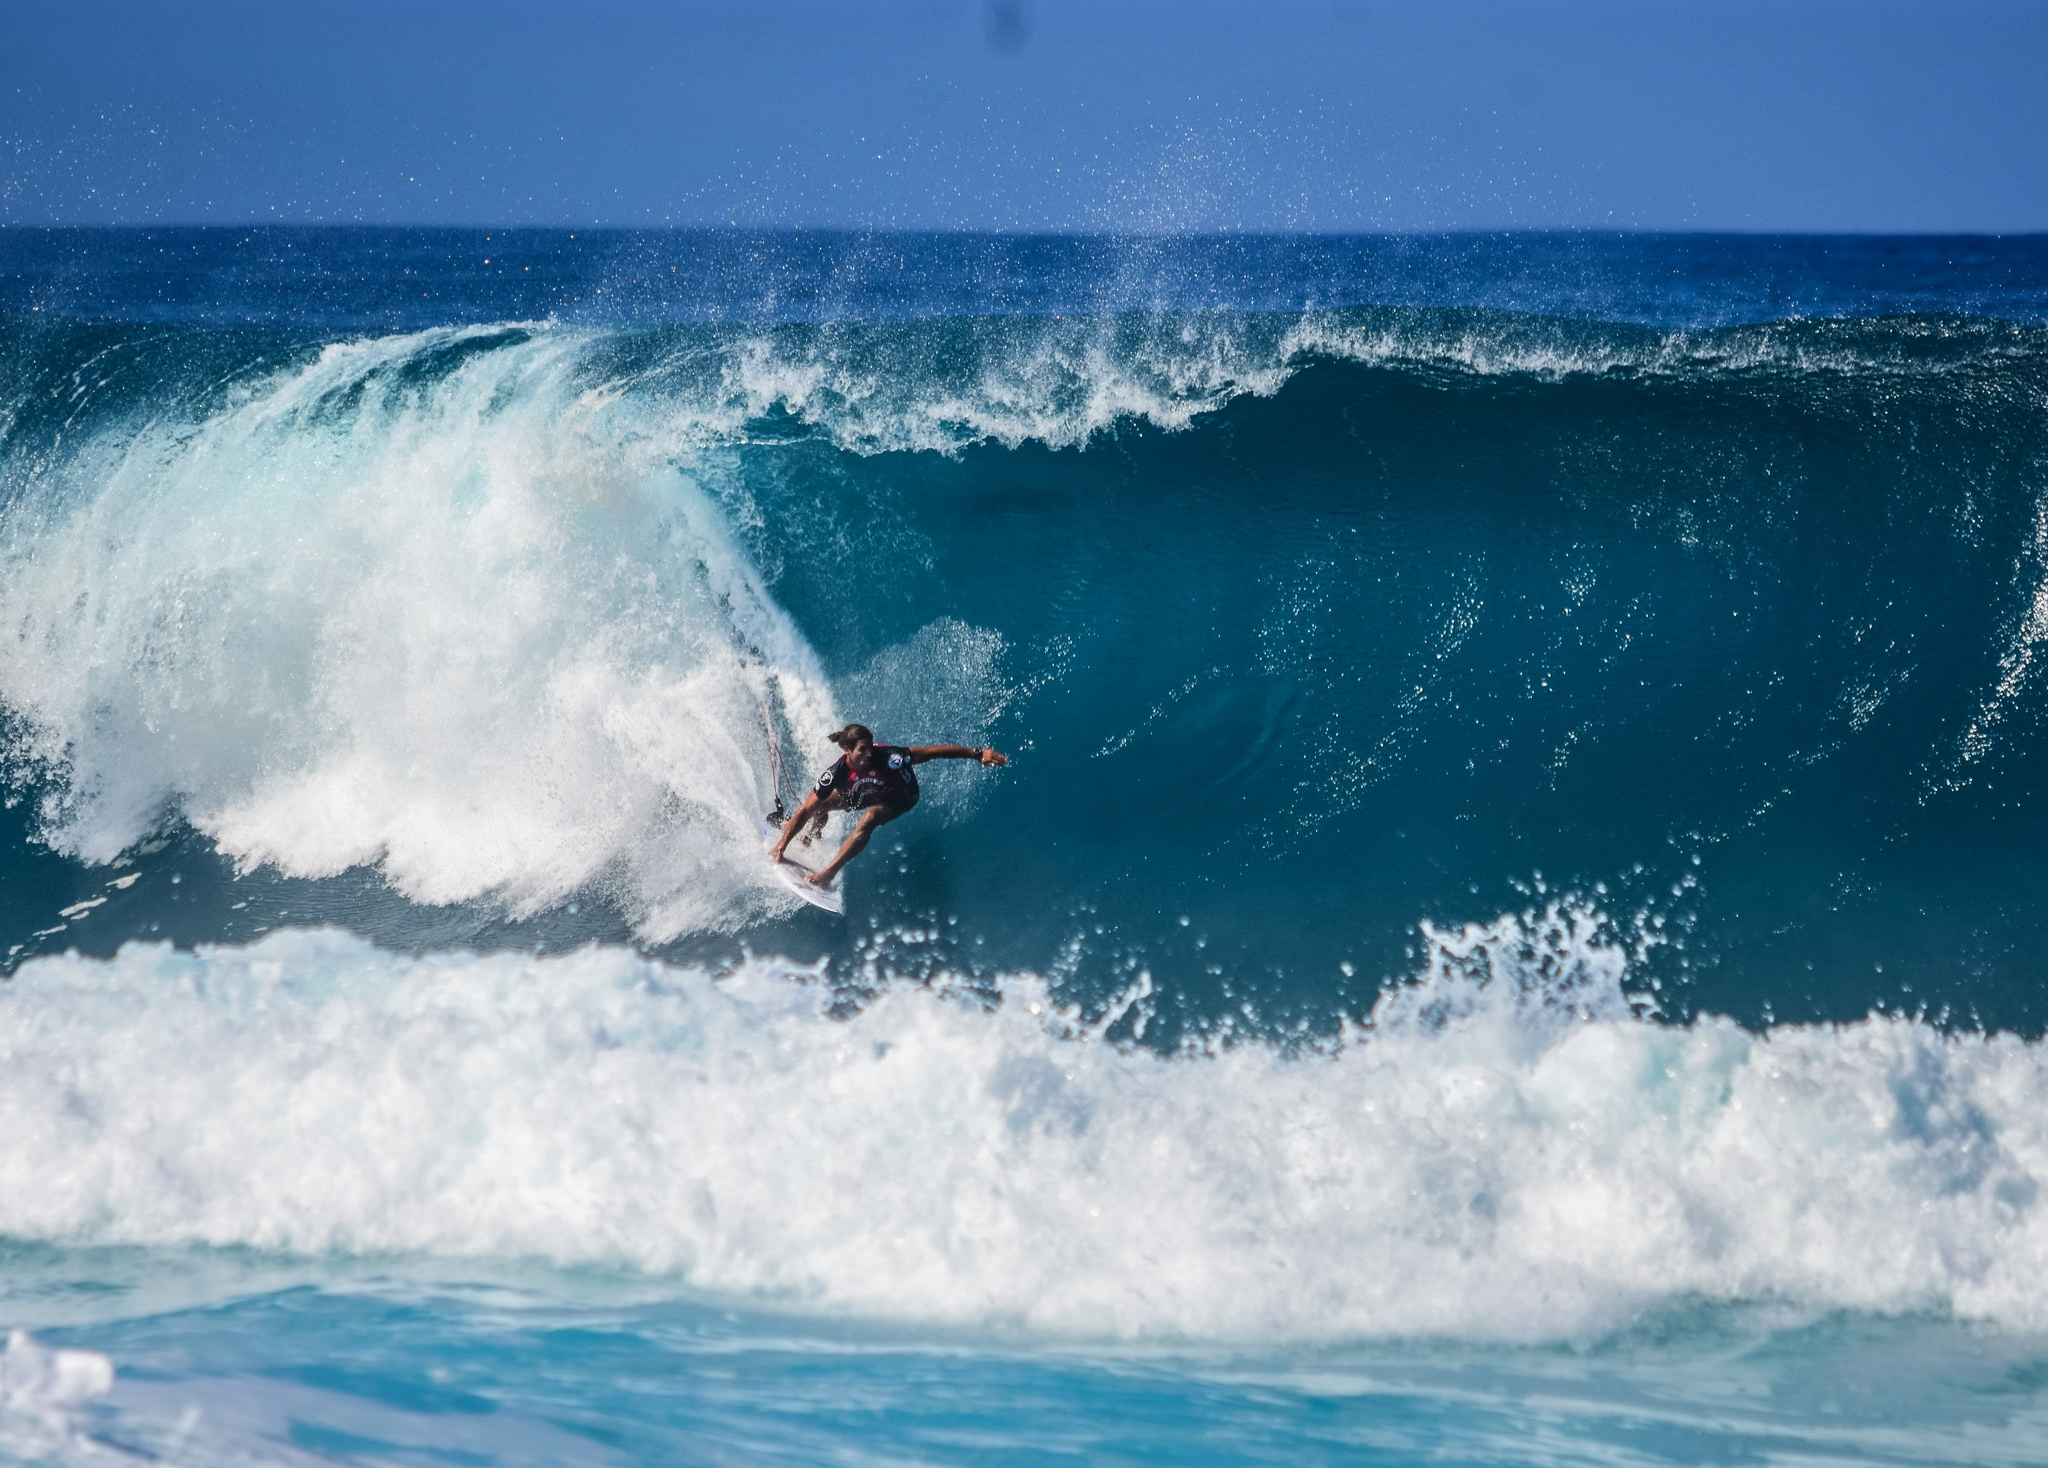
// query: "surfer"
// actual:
[[878, 780]]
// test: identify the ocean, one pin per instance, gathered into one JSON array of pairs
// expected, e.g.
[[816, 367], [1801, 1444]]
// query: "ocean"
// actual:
[[1513, 931]]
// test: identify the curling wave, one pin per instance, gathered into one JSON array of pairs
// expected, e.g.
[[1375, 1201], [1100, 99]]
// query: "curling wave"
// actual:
[[498, 610], [420, 602]]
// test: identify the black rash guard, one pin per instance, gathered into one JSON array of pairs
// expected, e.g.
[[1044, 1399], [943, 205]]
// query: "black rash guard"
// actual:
[[891, 782]]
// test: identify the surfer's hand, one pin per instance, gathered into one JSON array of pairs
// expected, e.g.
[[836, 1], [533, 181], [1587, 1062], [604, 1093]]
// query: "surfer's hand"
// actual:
[[991, 758]]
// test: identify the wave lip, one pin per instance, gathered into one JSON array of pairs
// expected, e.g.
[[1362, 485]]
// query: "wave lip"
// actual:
[[1064, 381], [1506, 1151]]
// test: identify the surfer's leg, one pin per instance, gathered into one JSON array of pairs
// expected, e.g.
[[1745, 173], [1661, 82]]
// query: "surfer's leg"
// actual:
[[873, 816], [835, 801]]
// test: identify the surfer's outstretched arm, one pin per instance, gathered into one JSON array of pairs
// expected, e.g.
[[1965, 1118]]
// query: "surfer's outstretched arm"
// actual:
[[988, 757]]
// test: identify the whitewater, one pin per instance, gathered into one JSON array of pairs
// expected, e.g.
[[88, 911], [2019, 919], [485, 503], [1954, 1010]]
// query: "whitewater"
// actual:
[[1511, 934], [1505, 1151]]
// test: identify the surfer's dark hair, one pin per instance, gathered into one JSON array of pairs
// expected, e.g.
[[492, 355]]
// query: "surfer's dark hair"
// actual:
[[852, 735]]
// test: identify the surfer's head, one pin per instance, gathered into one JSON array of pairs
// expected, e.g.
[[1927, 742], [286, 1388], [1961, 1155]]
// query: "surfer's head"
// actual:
[[853, 737]]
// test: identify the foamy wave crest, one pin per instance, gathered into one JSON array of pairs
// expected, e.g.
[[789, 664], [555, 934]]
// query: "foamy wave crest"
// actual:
[[436, 603], [1551, 349], [1508, 1150], [945, 384], [41, 1392], [1063, 381]]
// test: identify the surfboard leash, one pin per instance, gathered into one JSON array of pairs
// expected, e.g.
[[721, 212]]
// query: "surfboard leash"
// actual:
[[777, 816]]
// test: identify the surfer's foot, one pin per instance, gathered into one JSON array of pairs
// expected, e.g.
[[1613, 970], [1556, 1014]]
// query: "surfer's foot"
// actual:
[[820, 879]]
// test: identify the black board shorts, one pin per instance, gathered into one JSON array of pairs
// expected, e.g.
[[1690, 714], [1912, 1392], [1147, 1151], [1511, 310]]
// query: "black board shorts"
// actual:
[[897, 801]]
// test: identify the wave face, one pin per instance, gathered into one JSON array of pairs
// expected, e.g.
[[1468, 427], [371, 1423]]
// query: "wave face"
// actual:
[[1509, 1152], [1307, 624]]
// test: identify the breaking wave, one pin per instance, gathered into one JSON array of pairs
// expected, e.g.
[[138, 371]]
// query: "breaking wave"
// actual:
[[1508, 1147]]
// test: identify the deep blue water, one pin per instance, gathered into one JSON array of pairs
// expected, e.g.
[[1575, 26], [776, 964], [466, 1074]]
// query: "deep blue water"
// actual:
[[1514, 919]]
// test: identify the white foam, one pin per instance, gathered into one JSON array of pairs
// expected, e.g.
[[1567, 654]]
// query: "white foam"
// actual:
[[1510, 1151], [1066, 380], [41, 1391], [2017, 668], [945, 385]]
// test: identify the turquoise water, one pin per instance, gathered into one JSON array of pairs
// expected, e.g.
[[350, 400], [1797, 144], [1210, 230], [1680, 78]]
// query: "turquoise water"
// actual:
[[364, 1365], [1510, 934]]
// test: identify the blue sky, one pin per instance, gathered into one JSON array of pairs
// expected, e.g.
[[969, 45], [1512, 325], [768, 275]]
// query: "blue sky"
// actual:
[[1032, 114]]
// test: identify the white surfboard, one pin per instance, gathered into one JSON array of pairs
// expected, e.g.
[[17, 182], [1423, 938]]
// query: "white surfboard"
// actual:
[[796, 866]]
